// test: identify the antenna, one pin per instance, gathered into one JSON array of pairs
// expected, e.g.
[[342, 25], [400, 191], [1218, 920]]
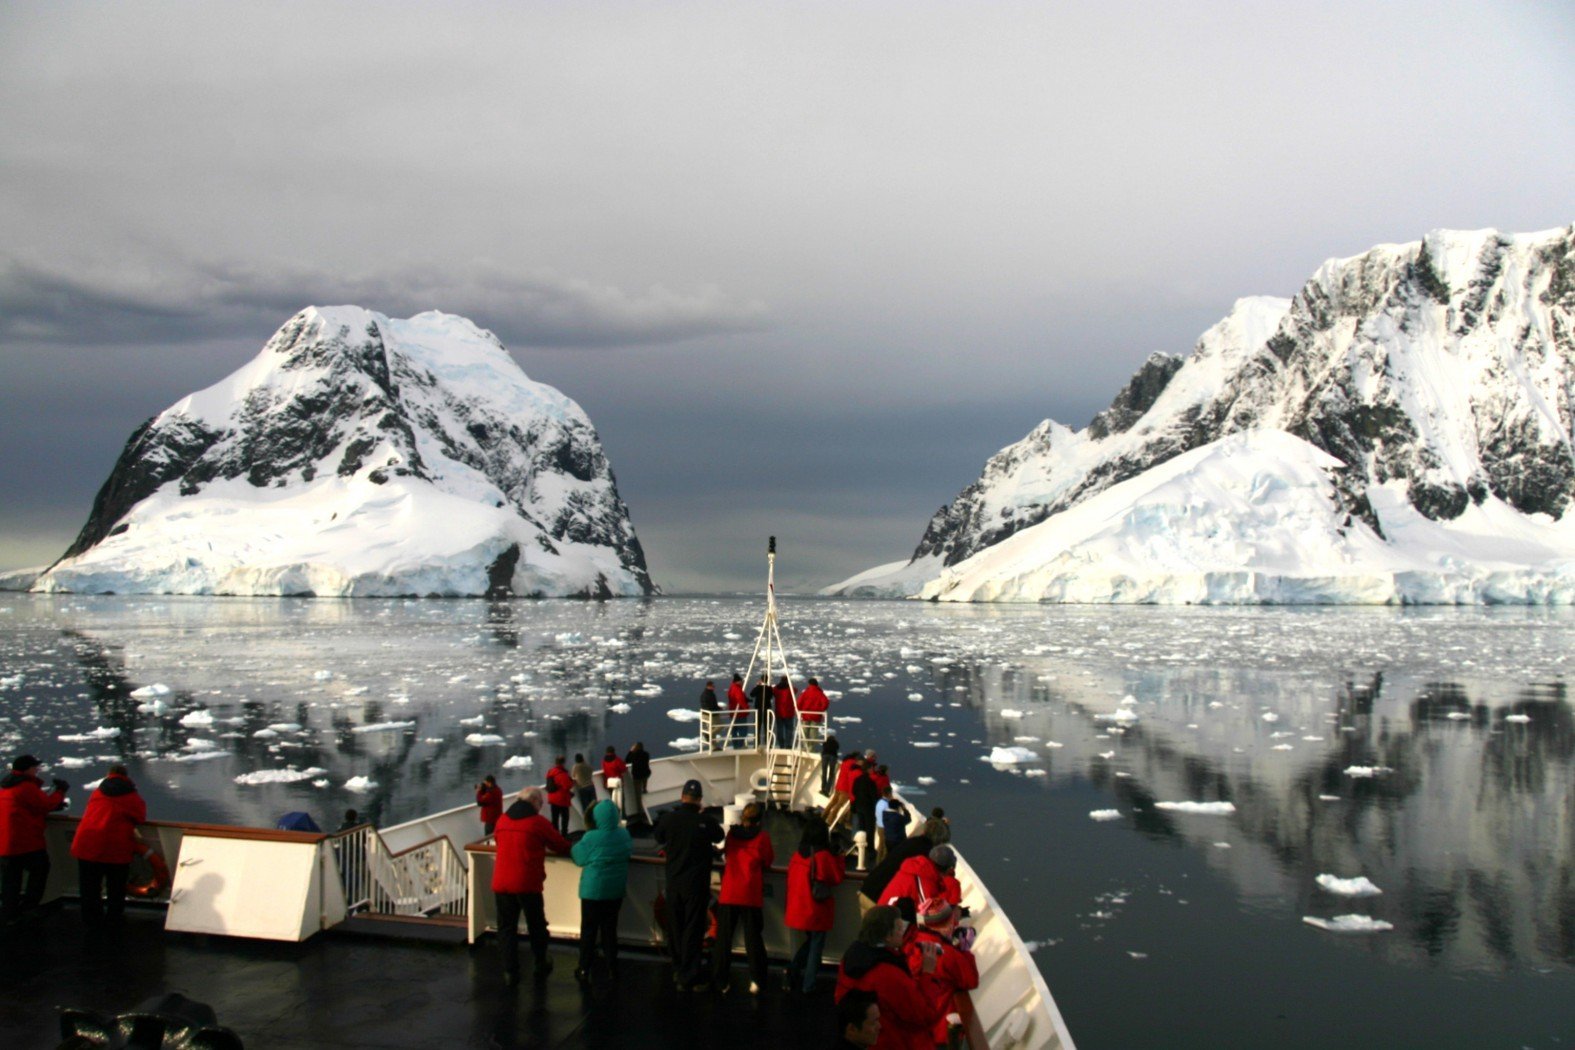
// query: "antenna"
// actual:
[[769, 652]]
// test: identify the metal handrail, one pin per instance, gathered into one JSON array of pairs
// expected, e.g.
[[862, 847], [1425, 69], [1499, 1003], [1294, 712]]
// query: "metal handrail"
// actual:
[[418, 880]]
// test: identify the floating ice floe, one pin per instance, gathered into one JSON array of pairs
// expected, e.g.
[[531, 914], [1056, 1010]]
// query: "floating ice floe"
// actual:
[[199, 744], [360, 784], [1283, 747], [849, 720], [100, 733], [156, 689], [1007, 712], [1034, 946], [915, 696], [1105, 814], [684, 714], [483, 739], [1036, 772], [285, 727], [1457, 715], [1367, 771], [685, 743], [72, 763], [476, 721], [1349, 924], [648, 689], [926, 780], [1270, 716], [1517, 718], [1328, 798], [1356, 887], [196, 756], [1107, 755], [1123, 716], [519, 762], [1010, 756], [926, 743], [1205, 808], [93, 786], [279, 776], [153, 707], [203, 717], [379, 727], [323, 676], [619, 709]]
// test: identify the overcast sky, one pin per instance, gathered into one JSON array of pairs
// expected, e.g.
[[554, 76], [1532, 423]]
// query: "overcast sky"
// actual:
[[805, 265]]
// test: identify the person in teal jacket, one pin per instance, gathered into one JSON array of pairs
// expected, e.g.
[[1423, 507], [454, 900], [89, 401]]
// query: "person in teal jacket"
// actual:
[[603, 852]]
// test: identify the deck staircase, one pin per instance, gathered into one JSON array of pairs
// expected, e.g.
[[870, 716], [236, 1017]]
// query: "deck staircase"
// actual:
[[784, 778]]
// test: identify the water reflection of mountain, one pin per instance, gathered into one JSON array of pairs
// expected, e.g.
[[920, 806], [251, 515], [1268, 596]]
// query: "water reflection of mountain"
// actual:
[[1469, 827], [296, 685]]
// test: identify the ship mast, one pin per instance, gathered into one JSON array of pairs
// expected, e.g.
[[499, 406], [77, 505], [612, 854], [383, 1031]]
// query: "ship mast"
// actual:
[[769, 653]]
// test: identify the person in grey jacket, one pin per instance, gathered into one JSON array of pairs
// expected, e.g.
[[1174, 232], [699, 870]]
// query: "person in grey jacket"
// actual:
[[603, 852]]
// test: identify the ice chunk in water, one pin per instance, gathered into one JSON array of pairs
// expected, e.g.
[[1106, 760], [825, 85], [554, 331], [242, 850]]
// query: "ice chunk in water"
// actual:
[[1205, 808], [1349, 924], [1359, 886]]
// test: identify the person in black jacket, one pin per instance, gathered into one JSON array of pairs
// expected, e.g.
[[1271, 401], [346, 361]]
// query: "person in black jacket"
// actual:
[[762, 697], [830, 754], [866, 793], [708, 700], [639, 762], [688, 836]]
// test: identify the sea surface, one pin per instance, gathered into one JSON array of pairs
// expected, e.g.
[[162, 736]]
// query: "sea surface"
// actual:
[[1430, 752]]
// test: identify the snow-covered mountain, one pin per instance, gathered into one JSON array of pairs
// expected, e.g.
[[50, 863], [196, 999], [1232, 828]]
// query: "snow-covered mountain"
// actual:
[[1400, 431], [362, 455]]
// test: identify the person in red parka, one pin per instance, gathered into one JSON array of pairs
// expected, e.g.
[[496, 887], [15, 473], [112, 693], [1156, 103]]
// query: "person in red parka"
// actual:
[[23, 806], [813, 702], [842, 790], [876, 963], [490, 798], [519, 874], [747, 854], [736, 700], [105, 842], [811, 863], [738, 720], [560, 794], [613, 772], [955, 968], [924, 877], [786, 711]]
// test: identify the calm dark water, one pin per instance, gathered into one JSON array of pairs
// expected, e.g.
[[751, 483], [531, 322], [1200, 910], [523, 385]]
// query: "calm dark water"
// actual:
[[1428, 751]]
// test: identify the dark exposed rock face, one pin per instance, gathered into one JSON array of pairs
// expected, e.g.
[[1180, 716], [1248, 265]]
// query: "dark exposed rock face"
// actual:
[[334, 396], [1447, 366]]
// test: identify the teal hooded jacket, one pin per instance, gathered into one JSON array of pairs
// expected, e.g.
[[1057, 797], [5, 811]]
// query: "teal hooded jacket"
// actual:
[[604, 854]]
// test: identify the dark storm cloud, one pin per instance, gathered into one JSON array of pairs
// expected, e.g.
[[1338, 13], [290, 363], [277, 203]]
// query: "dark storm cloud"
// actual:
[[186, 302]]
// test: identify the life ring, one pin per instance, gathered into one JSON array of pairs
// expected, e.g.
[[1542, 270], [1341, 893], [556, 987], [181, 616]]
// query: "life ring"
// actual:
[[760, 780], [148, 879]]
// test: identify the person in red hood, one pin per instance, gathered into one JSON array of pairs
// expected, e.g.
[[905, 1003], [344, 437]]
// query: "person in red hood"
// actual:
[[747, 854], [786, 711], [560, 794], [924, 877], [813, 702], [812, 863], [490, 798], [736, 700], [23, 806], [105, 842], [842, 790], [519, 874], [955, 968], [876, 963], [613, 772]]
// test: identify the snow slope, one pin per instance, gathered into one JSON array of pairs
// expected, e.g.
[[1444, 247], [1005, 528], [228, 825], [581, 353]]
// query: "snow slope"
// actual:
[[362, 455], [1438, 376]]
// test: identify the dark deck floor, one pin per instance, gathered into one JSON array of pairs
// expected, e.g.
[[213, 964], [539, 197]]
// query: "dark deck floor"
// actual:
[[344, 989]]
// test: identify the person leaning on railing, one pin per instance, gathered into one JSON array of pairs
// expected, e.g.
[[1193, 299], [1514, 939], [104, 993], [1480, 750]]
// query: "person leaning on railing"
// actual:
[[105, 841], [23, 855], [603, 851], [524, 838]]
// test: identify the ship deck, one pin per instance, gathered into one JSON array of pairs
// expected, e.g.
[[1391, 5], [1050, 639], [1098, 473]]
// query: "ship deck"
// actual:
[[363, 987]]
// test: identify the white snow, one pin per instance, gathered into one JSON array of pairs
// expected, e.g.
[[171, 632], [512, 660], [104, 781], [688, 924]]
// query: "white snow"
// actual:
[[378, 531], [1359, 886], [1205, 808], [1349, 924], [1008, 756], [381, 727], [279, 776]]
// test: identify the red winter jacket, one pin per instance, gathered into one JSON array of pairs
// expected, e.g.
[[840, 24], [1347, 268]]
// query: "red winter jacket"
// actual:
[[560, 787], [524, 839], [845, 774], [107, 832], [736, 700], [955, 971], [613, 769], [882, 781], [919, 878], [812, 703], [747, 854], [907, 1003], [803, 911], [784, 701], [490, 799], [23, 806]]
